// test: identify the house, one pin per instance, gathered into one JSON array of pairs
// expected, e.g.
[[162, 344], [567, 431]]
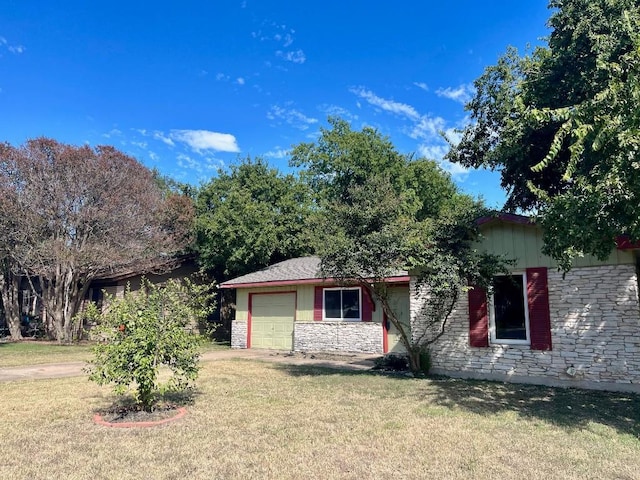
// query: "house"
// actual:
[[115, 282], [538, 325], [289, 306], [541, 326], [112, 282]]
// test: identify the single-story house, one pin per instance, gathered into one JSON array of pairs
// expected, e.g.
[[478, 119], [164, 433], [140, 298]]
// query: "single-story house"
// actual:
[[539, 325], [289, 306]]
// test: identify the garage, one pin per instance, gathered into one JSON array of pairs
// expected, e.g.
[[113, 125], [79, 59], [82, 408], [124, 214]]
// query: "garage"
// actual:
[[272, 316]]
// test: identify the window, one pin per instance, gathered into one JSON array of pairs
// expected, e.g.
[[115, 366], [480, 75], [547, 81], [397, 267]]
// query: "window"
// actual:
[[508, 310], [341, 304]]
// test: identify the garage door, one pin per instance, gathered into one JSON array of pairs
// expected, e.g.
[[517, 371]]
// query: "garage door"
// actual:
[[272, 320]]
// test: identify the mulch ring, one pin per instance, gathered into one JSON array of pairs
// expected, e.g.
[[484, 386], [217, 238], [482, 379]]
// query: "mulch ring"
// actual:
[[131, 416]]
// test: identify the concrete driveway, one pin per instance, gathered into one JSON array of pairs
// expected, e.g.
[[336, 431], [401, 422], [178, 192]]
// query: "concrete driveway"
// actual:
[[340, 362]]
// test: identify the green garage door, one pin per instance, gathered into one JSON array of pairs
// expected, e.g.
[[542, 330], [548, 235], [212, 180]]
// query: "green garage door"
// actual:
[[272, 320]]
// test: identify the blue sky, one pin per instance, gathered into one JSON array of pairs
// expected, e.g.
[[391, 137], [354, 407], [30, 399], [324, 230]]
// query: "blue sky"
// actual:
[[190, 86]]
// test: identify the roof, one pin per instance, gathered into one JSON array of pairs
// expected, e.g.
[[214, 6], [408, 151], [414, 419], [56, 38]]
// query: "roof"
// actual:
[[290, 272], [505, 217]]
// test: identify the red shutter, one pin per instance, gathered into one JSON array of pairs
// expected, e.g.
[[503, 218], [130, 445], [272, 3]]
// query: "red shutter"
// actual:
[[478, 318], [317, 304], [367, 305], [539, 317]]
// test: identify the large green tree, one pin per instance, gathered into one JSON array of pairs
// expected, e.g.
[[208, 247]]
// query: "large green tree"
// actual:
[[562, 124], [250, 216], [380, 212]]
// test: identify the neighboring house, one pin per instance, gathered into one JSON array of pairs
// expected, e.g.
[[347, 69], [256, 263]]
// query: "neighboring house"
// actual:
[[114, 283], [539, 325], [289, 306]]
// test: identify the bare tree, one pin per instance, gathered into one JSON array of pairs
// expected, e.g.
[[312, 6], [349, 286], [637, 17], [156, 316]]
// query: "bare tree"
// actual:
[[82, 212]]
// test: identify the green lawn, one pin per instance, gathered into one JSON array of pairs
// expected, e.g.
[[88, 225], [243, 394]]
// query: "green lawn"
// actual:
[[261, 420], [14, 354]]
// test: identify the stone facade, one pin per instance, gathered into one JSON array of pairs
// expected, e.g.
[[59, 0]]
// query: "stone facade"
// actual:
[[353, 337], [595, 330], [239, 334]]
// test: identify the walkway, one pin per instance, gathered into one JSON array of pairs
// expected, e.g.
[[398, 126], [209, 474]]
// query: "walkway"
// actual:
[[341, 362]]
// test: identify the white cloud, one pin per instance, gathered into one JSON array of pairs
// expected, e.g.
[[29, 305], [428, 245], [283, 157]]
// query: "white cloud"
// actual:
[[185, 161], [163, 138], [222, 77], [154, 156], [114, 132], [16, 49], [422, 86], [240, 81], [462, 93], [278, 153], [202, 140], [291, 116], [293, 56], [387, 105], [337, 111], [437, 152], [142, 145], [427, 127]]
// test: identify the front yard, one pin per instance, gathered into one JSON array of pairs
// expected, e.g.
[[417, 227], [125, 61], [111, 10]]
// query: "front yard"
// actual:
[[260, 420]]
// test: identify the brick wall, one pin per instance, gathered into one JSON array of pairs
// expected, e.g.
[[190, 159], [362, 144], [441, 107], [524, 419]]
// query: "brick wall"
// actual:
[[595, 329], [354, 337]]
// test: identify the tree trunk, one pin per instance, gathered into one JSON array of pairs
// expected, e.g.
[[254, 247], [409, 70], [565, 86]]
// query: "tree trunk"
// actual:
[[414, 360], [62, 296], [9, 291]]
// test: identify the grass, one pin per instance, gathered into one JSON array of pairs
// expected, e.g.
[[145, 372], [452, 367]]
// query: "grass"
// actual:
[[260, 420], [14, 354]]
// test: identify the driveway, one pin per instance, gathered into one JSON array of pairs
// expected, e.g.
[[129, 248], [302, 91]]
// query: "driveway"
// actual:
[[341, 362]]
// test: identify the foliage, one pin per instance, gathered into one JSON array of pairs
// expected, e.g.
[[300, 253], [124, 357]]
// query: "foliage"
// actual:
[[146, 330], [89, 316], [562, 125], [77, 212], [342, 158], [371, 227], [249, 217]]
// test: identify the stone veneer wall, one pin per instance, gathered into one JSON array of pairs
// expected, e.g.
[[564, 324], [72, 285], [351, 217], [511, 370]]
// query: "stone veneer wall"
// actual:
[[354, 337], [239, 334], [595, 329]]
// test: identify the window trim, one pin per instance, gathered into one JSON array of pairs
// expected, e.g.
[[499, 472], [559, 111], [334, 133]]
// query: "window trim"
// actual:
[[334, 319], [492, 315]]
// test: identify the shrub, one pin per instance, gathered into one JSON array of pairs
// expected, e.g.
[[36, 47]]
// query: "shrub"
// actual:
[[148, 329]]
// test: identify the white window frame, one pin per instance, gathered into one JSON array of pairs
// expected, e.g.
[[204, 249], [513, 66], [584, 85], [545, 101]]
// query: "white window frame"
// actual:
[[492, 316], [332, 319]]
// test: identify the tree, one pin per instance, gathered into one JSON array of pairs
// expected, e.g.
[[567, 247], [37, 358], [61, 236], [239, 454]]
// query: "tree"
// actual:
[[562, 125], [12, 236], [250, 217], [146, 330], [380, 220], [81, 212]]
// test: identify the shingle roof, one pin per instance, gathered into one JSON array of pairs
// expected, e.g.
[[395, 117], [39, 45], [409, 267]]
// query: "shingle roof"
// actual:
[[302, 268], [296, 269]]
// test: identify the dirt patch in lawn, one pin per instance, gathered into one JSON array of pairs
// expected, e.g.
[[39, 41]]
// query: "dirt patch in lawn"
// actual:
[[136, 417]]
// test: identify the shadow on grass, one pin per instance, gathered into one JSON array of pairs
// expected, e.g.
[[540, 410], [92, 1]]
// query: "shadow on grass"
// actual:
[[565, 407], [569, 408], [182, 398]]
